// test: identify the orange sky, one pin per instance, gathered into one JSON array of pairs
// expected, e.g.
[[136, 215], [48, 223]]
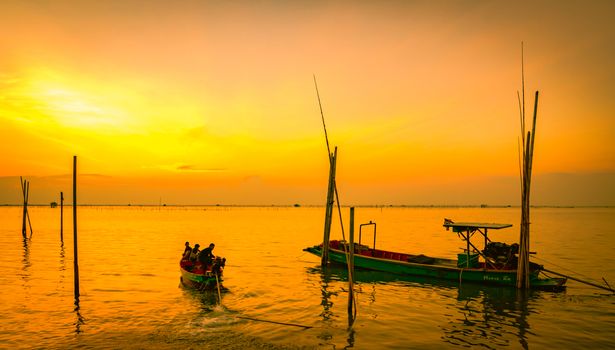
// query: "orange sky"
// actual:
[[195, 102]]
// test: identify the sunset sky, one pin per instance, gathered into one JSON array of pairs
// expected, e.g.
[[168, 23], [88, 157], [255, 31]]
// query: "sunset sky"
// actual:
[[197, 102]]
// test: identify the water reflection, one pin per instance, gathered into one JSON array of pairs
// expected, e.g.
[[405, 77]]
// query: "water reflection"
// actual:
[[80, 320], [485, 316], [327, 304], [328, 277], [25, 276], [489, 317], [62, 265]]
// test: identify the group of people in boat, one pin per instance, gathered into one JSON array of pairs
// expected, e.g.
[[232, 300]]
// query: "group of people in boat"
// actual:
[[196, 260], [195, 254]]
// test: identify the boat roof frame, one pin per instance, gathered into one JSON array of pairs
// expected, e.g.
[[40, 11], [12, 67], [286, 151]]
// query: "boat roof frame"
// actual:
[[465, 230], [473, 226]]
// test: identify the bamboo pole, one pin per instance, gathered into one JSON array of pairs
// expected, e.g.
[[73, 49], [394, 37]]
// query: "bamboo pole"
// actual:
[[523, 266], [25, 207], [61, 216], [532, 140], [350, 264], [322, 116], [329, 208], [523, 261], [526, 160], [580, 280], [331, 188], [218, 286], [522, 95], [28, 213], [75, 249]]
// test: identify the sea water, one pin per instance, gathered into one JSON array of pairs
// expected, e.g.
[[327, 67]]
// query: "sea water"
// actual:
[[277, 296]]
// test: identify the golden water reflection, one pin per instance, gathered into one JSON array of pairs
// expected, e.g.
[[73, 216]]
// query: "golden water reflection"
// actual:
[[485, 316]]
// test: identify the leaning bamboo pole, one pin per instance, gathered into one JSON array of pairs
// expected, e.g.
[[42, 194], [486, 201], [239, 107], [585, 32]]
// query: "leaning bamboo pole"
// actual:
[[331, 189], [27, 212]]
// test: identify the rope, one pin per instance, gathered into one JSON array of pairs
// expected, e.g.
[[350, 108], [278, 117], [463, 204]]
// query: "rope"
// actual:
[[563, 268], [274, 322]]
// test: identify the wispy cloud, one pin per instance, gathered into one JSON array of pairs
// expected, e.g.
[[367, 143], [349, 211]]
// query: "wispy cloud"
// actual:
[[199, 169]]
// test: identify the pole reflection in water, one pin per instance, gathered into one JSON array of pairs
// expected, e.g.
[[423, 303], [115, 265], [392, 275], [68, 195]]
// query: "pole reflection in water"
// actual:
[[478, 315], [492, 316], [330, 275], [522, 303], [80, 320], [62, 267], [26, 263], [326, 303]]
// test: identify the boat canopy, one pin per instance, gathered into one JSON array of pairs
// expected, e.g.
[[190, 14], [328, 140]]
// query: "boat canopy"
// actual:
[[472, 226]]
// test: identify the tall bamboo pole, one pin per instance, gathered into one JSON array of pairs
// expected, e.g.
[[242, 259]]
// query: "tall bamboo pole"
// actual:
[[61, 216], [329, 208], [75, 249], [350, 264], [523, 265], [25, 207]]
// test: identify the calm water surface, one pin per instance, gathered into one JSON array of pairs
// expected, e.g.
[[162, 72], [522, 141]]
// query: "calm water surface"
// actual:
[[131, 296]]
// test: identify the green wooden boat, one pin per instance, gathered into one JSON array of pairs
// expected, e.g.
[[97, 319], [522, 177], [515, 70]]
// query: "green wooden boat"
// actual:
[[496, 264], [203, 279]]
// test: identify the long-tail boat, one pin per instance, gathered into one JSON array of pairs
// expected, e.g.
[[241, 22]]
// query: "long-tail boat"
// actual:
[[202, 277], [496, 264]]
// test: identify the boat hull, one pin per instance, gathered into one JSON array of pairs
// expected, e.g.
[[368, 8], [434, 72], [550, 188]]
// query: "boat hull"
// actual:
[[201, 281], [441, 269]]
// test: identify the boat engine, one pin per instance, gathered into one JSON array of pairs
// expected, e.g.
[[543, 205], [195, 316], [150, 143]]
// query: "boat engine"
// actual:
[[501, 252]]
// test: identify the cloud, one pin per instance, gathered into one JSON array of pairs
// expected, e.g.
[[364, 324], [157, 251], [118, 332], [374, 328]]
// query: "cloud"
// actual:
[[195, 168]]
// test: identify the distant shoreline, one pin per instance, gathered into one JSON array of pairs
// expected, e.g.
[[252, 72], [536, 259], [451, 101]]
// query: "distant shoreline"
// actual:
[[418, 206]]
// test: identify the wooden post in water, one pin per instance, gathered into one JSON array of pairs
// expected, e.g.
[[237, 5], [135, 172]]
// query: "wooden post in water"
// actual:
[[24, 192], [350, 263], [329, 208], [61, 216], [75, 250], [27, 212]]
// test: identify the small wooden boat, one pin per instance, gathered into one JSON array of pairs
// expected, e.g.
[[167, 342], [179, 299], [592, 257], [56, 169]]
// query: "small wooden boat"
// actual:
[[497, 267], [194, 275]]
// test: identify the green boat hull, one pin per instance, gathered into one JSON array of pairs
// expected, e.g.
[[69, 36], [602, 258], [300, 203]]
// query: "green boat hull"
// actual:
[[204, 281], [441, 269]]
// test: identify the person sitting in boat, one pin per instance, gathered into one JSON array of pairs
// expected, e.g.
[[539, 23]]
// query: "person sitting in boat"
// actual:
[[206, 256], [194, 253], [187, 251], [217, 265]]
